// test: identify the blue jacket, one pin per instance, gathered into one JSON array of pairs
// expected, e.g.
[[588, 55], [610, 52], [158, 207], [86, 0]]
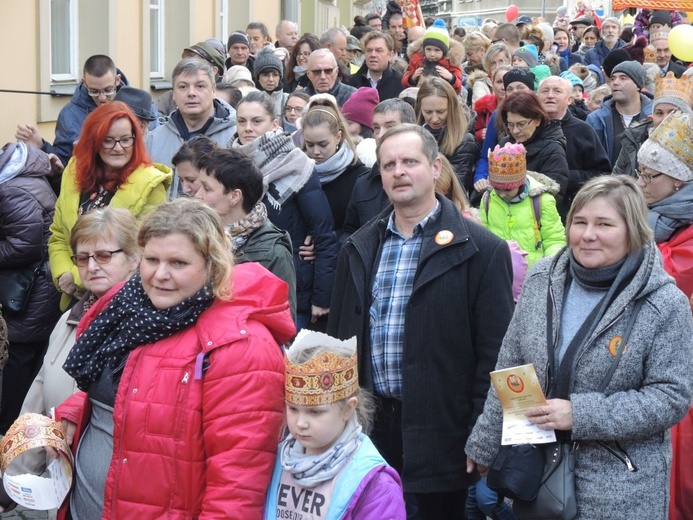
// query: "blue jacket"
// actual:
[[602, 123], [596, 55], [490, 142]]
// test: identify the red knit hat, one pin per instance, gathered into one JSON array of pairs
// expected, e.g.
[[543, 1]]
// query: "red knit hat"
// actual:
[[359, 107]]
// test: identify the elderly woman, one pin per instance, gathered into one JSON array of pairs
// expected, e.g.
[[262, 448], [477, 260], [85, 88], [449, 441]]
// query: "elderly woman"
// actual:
[[110, 167], [480, 81], [184, 379], [593, 290]]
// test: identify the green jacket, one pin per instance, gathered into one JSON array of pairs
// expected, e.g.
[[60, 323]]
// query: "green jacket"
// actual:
[[516, 221], [270, 247], [144, 189]]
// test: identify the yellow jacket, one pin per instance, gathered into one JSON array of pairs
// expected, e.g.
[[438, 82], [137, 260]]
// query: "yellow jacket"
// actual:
[[144, 189]]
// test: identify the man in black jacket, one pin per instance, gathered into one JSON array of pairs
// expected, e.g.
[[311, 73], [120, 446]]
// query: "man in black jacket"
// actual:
[[584, 151], [376, 71], [428, 295]]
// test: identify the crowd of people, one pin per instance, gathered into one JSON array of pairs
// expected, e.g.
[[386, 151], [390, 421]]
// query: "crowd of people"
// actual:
[[284, 283]]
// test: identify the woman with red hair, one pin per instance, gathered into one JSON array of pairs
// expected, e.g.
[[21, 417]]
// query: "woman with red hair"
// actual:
[[110, 167]]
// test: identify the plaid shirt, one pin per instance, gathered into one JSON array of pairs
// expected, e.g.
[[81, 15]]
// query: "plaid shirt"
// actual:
[[392, 286]]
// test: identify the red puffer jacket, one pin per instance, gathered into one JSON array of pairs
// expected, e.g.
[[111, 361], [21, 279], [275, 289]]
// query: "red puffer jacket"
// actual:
[[200, 444]]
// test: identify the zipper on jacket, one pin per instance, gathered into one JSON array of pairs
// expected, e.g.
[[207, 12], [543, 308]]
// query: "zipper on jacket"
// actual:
[[185, 378], [620, 454]]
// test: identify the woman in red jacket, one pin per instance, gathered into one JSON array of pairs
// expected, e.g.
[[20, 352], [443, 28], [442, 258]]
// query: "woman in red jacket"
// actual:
[[183, 380]]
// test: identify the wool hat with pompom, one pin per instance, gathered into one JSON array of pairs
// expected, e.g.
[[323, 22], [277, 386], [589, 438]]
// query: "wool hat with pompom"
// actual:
[[359, 107], [438, 36]]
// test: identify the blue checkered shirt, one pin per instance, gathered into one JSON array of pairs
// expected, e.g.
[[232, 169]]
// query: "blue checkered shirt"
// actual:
[[392, 287]]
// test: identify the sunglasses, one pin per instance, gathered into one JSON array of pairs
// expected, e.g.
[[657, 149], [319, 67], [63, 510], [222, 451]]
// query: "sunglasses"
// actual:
[[320, 72]]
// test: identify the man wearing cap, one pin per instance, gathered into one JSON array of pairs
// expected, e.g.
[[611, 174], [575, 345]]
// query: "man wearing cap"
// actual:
[[522, 21], [626, 106], [322, 73], [376, 71], [100, 82], [354, 54], [428, 296], [660, 42], [239, 51], [578, 27], [584, 151], [140, 102], [286, 35], [198, 113], [610, 41]]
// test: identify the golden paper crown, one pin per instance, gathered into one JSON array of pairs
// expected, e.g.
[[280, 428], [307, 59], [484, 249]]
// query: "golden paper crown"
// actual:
[[674, 135], [507, 166], [31, 430], [325, 378], [671, 87], [659, 35], [650, 55]]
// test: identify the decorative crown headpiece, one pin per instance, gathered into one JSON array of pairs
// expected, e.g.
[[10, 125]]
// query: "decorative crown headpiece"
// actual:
[[326, 377], [650, 54], [669, 148], [670, 87], [507, 166], [31, 430]]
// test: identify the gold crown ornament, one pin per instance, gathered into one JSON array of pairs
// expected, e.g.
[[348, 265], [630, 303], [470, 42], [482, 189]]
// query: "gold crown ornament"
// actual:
[[677, 91], [324, 378], [31, 430], [650, 54], [507, 166], [669, 149]]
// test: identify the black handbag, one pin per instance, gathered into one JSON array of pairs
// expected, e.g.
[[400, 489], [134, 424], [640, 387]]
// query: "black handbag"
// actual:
[[16, 286], [516, 471]]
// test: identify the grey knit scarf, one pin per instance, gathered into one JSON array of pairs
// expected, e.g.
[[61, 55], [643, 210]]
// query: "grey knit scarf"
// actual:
[[671, 213], [336, 165], [282, 164]]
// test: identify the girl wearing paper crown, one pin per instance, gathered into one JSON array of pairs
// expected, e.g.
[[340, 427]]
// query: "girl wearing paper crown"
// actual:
[[435, 54], [520, 205], [326, 467]]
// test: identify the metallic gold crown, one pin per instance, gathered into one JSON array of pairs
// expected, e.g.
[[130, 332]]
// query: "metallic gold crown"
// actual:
[[671, 87], [674, 134], [31, 430], [507, 166], [650, 55], [324, 379]]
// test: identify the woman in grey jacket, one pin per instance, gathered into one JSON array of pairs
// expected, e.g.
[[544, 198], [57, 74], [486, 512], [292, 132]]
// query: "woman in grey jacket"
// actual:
[[592, 286]]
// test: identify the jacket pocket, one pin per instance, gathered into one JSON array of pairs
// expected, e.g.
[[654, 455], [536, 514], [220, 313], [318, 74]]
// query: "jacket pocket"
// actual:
[[166, 408], [621, 454]]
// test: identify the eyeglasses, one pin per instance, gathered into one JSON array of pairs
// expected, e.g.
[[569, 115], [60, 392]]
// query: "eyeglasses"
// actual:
[[100, 257], [517, 126], [497, 41], [320, 72], [647, 179], [302, 54], [106, 92], [270, 74], [125, 142], [290, 110]]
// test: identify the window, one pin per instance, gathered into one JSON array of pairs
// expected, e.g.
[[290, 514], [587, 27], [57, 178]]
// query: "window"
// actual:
[[223, 28], [64, 43], [156, 34]]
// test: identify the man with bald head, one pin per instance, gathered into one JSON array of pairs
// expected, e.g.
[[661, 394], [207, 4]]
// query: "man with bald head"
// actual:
[[415, 33], [286, 34], [585, 152], [322, 73]]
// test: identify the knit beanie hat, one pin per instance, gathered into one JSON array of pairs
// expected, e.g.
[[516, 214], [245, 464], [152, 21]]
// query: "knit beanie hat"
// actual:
[[677, 92], [633, 70], [238, 37], [521, 74], [359, 107], [637, 49], [529, 54], [438, 36], [614, 58], [661, 17], [669, 148], [266, 59], [507, 166], [574, 80]]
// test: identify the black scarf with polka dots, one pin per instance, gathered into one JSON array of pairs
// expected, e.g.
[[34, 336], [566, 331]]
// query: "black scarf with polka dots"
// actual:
[[130, 320]]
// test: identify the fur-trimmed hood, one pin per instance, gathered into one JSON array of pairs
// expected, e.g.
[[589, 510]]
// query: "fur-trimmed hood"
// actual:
[[543, 184], [478, 75], [455, 55]]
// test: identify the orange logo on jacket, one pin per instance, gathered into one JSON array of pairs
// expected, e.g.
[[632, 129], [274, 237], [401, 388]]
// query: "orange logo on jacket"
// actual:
[[614, 345]]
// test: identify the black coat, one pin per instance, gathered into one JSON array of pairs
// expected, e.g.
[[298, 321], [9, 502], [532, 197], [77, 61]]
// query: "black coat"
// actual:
[[464, 158], [677, 69], [546, 153], [368, 200], [586, 157], [27, 205], [389, 86], [307, 212], [456, 317], [338, 192]]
